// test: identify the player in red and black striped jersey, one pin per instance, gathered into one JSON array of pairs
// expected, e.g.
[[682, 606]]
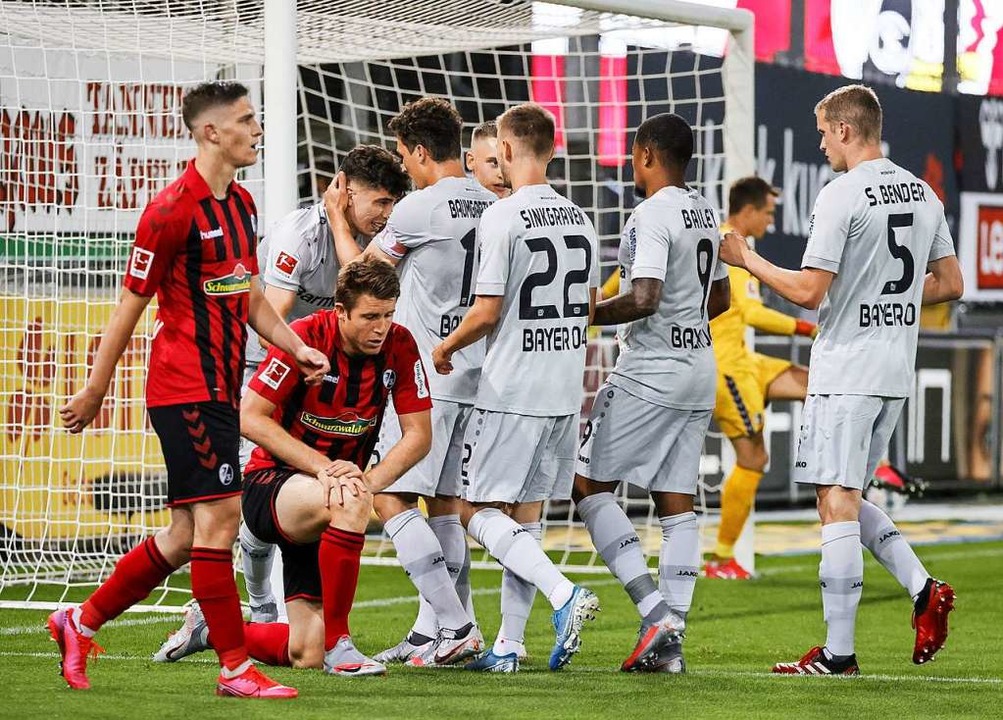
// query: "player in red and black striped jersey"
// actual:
[[194, 249], [304, 490]]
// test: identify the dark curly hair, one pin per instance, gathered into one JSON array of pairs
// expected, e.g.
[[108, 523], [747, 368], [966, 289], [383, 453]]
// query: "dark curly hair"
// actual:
[[209, 94], [432, 123], [378, 168], [366, 275], [670, 136]]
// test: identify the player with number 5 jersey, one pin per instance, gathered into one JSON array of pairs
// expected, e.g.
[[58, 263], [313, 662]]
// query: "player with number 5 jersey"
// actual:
[[536, 290], [878, 248]]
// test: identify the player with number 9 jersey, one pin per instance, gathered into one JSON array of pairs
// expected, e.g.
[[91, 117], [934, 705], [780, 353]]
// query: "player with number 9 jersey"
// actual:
[[666, 358]]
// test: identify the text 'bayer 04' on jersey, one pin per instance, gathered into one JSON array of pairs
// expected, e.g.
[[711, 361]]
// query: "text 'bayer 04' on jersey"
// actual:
[[540, 252], [433, 232], [667, 358], [297, 254], [876, 227]]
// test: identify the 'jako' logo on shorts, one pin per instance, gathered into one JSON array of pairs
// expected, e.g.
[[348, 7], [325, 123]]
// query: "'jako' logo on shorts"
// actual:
[[226, 473]]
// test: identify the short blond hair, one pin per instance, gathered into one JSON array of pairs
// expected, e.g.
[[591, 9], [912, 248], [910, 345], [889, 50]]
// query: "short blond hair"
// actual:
[[855, 105], [532, 125]]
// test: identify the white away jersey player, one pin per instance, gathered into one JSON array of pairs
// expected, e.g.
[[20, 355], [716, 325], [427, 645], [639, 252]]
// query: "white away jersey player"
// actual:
[[666, 358], [434, 232], [297, 254], [539, 251], [877, 226]]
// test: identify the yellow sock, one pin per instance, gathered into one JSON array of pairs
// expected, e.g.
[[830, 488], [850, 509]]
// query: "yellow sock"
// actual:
[[737, 496]]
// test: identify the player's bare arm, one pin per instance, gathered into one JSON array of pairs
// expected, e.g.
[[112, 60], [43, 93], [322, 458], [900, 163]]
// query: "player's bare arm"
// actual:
[[944, 281], [336, 199], [283, 301], [719, 298], [269, 325], [258, 426], [373, 249], [804, 287], [640, 302], [478, 322], [415, 442], [81, 409]]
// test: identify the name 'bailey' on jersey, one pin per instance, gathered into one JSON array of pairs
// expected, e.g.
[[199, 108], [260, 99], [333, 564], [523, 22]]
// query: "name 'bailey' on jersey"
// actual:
[[876, 227], [434, 231], [540, 251], [666, 358]]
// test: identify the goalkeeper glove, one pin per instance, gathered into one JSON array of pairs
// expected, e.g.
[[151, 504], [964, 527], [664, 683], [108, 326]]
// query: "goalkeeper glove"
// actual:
[[808, 329]]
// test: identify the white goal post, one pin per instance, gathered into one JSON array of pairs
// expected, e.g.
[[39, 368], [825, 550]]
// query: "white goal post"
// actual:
[[90, 125]]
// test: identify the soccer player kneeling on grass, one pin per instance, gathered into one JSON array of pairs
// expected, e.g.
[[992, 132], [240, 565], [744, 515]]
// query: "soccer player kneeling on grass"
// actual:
[[303, 487]]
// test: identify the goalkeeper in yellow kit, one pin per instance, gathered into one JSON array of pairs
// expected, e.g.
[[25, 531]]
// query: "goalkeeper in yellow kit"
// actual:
[[746, 380]]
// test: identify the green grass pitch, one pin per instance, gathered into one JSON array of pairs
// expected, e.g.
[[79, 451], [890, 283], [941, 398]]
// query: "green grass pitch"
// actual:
[[736, 631]]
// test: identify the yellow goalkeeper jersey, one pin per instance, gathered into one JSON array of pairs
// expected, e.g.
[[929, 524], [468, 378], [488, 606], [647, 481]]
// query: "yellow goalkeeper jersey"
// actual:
[[728, 329]]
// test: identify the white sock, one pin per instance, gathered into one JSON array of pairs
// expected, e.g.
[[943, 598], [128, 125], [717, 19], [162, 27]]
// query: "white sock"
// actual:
[[841, 576], [256, 557], [879, 535], [420, 555], [615, 538], [231, 673], [678, 563], [517, 597], [75, 614], [453, 540], [512, 545]]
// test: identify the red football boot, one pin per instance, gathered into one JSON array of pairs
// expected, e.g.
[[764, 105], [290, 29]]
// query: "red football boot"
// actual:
[[929, 617]]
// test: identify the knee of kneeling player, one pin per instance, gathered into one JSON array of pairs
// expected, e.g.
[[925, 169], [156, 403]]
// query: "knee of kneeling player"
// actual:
[[353, 514], [306, 655]]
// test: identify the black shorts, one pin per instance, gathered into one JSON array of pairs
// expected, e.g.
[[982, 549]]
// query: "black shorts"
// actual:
[[300, 562], [201, 443]]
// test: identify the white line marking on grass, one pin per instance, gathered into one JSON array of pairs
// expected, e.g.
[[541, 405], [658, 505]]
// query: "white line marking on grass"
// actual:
[[413, 599], [612, 671]]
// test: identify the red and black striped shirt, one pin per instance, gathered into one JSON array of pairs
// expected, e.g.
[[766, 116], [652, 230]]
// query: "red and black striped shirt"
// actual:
[[197, 253], [341, 415]]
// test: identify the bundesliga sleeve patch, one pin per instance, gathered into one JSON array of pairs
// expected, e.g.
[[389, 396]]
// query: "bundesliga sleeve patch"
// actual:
[[421, 387], [142, 259], [286, 263], [275, 373]]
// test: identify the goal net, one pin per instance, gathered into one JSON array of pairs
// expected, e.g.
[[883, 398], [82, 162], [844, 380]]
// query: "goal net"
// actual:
[[90, 124]]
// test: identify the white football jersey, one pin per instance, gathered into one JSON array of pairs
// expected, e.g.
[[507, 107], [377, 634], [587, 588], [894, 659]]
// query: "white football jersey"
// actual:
[[434, 233], [666, 358], [540, 251], [876, 227], [297, 254]]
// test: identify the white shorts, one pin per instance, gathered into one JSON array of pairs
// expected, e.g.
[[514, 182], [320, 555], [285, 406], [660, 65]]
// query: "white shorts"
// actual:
[[246, 446], [520, 458], [438, 473], [650, 446], [843, 438]]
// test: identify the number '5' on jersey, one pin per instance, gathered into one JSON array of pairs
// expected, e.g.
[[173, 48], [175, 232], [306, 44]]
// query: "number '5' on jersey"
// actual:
[[876, 227]]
